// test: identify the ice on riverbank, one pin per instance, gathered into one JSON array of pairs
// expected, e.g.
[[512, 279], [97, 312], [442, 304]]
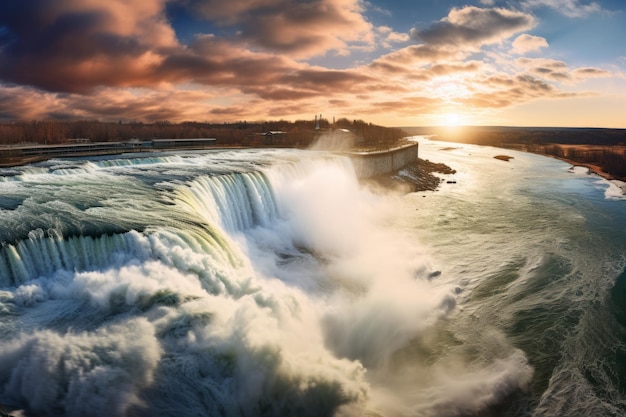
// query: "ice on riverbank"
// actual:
[[616, 190]]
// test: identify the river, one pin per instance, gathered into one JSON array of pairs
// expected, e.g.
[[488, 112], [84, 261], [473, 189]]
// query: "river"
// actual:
[[271, 282]]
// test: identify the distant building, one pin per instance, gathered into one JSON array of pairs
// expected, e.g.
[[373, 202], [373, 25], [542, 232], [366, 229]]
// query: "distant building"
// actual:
[[30, 153]]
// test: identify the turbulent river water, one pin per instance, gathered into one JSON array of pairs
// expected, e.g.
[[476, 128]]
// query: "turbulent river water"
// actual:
[[272, 283]]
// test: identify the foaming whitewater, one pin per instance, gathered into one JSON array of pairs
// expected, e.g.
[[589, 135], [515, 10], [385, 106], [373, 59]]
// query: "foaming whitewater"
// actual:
[[268, 282]]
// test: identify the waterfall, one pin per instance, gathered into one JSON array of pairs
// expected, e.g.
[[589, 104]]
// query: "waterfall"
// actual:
[[46, 252], [222, 204], [235, 202], [238, 283]]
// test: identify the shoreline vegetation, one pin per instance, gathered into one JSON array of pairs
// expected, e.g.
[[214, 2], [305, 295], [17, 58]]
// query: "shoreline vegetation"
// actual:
[[20, 141], [300, 133], [602, 151]]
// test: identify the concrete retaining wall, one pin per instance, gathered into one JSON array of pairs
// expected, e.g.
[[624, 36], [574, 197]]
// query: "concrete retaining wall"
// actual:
[[371, 164]]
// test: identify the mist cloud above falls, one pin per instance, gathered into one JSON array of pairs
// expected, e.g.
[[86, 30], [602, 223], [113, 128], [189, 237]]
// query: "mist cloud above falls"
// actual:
[[383, 310], [82, 374]]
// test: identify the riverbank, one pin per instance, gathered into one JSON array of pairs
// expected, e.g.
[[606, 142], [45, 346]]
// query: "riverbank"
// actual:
[[605, 161], [596, 170], [592, 167], [417, 176], [603, 151]]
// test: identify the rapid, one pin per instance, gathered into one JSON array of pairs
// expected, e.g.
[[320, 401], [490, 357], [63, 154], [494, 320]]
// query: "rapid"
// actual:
[[273, 283]]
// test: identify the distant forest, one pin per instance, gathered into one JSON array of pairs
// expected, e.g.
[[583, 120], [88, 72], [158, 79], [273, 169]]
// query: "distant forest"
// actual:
[[605, 148], [300, 133], [503, 136]]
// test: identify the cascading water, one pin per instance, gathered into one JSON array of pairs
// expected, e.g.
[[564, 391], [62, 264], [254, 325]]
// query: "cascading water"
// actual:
[[255, 282]]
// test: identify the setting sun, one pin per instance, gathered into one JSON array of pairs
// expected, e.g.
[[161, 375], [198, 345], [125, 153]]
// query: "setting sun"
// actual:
[[321, 207], [452, 119]]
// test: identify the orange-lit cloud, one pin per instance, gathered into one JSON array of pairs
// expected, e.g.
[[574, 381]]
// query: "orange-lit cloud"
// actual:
[[87, 59], [528, 43], [70, 45], [300, 29], [558, 70], [590, 72], [106, 103], [389, 37]]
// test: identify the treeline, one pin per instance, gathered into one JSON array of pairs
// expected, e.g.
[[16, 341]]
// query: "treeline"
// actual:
[[504, 136], [601, 147], [298, 133], [612, 160]]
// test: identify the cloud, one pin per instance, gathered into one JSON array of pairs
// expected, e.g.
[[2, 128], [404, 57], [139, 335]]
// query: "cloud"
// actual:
[[88, 59], [559, 71], [407, 105], [17, 102], [471, 27], [71, 45], [503, 90], [398, 37], [447, 69], [541, 62], [590, 72], [78, 46], [390, 37], [528, 43], [213, 61], [549, 69], [570, 8], [300, 29], [107, 104], [407, 59], [324, 80], [311, 82]]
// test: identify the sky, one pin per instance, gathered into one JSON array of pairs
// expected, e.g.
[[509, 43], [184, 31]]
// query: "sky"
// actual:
[[389, 62]]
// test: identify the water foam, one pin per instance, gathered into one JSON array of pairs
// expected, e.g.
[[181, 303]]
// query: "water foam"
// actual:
[[616, 190], [286, 290]]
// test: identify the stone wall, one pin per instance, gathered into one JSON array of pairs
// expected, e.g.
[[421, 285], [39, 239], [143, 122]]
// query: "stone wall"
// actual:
[[371, 164]]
